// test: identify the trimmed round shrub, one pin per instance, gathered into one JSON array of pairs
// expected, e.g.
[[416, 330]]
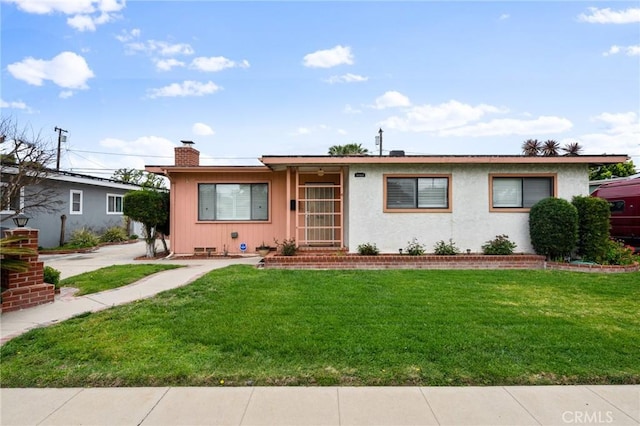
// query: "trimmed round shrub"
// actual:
[[593, 227], [553, 227]]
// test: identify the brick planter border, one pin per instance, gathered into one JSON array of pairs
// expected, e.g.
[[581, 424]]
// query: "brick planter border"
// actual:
[[396, 261], [461, 261]]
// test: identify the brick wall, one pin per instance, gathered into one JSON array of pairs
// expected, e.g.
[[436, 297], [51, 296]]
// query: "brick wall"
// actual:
[[404, 262], [187, 156], [25, 289]]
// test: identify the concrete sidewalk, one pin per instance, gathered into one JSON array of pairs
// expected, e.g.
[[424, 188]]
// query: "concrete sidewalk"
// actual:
[[66, 306], [511, 405]]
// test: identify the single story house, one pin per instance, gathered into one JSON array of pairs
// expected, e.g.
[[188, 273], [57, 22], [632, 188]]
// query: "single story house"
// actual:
[[75, 201], [343, 201]]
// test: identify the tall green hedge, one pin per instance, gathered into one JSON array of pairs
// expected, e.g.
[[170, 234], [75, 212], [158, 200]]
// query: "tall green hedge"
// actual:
[[553, 227], [593, 227]]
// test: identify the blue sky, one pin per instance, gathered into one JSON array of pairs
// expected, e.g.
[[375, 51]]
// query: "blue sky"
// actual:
[[243, 79]]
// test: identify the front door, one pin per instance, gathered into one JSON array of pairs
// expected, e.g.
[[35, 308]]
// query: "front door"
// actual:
[[320, 218]]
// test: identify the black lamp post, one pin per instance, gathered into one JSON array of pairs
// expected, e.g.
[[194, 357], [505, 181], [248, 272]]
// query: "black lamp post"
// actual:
[[20, 220]]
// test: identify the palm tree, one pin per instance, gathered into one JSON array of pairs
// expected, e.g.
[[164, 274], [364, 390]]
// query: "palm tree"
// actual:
[[572, 148], [348, 149], [531, 147], [550, 148]]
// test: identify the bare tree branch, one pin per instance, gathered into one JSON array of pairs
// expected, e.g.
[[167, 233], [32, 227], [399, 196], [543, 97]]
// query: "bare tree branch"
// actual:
[[25, 158]]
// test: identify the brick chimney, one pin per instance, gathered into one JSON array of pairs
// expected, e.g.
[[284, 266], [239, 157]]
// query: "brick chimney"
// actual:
[[186, 155]]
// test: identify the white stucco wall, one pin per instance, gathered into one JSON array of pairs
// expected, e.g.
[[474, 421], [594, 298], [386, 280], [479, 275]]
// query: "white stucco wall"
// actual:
[[470, 223]]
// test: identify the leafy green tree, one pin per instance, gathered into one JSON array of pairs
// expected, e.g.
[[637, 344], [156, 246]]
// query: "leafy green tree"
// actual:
[[609, 171], [139, 177], [149, 208], [348, 149]]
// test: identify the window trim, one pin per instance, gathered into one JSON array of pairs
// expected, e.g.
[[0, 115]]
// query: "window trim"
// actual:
[[209, 221], [117, 213], [449, 207], [554, 187], [20, 201], [71, 192]]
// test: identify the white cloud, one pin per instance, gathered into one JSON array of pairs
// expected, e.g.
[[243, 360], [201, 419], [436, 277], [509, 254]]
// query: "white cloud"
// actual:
[[216, 63], [608, 16], [436, 118], [186, 88], [152, 47], [329, 58], [158, 146], [392, 99], [168, 64], [169, 49], [348, 109], [346, 78], [67, 69], [126, 36], [621, 135], [66, 94], [14, 105], [86, 14], [202, 129], [511, 126], [504, 16], [300, 131], [628, 50]]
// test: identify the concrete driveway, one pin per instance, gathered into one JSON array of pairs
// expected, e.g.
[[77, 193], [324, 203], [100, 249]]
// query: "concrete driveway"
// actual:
[[123, 254]]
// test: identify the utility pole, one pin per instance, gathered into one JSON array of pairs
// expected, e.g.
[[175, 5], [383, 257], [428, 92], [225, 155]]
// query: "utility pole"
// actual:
[[61, 139], [380, 136]]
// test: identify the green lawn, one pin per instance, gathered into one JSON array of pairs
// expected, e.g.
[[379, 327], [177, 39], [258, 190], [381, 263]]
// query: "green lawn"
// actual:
[[269, 327], [112, 277]]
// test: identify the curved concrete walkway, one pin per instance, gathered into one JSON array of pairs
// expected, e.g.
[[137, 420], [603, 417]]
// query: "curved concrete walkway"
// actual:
[[498, 405], [66, 306]]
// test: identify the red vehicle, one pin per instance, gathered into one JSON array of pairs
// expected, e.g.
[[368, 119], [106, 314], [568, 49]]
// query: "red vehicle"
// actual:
[[624, 198]]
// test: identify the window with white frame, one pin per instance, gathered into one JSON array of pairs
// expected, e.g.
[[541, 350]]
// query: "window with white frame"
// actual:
[[416, 193], [10, 204], [114, 204], [233, 201], [520, 192], [75, 202]]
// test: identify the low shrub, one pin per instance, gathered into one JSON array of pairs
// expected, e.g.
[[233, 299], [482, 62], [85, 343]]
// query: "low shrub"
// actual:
[[133, 237], [500, 245], [617, 253], [414, 248], [52, 276], [368, 249], [444, 249], [287, 247], [114, 234], [83, 238]]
